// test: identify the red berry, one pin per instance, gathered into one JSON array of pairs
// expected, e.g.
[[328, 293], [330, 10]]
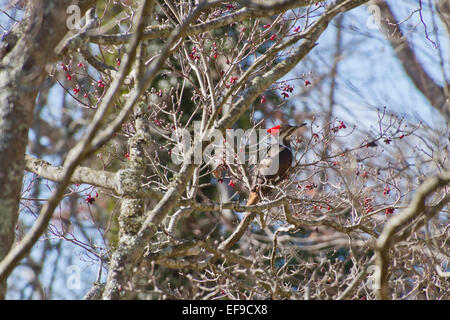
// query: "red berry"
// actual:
[[90, 199]]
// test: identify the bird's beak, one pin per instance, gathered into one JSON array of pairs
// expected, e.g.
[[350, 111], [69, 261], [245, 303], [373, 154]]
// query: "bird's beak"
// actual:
[[295, 131]]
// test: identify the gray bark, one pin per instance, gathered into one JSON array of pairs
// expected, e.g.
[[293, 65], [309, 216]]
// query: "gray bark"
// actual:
[[24, 53]]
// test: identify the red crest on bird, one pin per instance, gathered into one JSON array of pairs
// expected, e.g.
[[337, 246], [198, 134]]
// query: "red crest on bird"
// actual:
[[274, 130]]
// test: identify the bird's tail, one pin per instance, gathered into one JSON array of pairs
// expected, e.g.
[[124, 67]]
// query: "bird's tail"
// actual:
[[254, 198]]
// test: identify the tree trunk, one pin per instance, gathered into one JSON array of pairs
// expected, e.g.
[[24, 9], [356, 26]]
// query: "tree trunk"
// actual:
[[24, 53]]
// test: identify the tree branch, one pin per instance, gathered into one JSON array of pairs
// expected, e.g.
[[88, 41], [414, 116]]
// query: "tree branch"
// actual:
[[261, 83], [388, 237], [74, 158], [98, 178], [164, 31], [131, 249], [424, 83], [25, 52]]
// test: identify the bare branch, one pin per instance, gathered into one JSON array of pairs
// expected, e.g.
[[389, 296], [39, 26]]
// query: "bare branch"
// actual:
[[103, 179], [387, 238], [412, 66], [74, 158]]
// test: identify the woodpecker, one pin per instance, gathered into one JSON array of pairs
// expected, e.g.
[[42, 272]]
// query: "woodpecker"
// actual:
[[264, 172]]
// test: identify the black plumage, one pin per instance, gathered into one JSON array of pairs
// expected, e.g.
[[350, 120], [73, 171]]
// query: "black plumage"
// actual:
[[269, 171]]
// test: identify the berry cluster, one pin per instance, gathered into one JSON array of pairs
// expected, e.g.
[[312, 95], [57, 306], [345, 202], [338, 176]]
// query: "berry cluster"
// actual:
[[286, 90]]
